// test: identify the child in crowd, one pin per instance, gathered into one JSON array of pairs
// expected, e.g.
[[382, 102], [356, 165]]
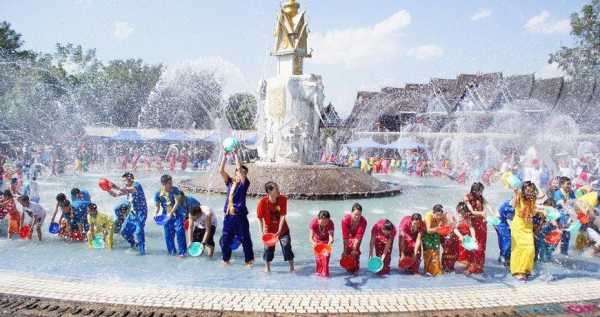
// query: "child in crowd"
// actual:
[[7, 203], [382, 241], [321, 232], [99, 224]]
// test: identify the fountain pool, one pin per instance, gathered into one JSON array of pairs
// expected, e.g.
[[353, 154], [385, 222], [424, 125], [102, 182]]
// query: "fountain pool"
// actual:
[[55, 258]]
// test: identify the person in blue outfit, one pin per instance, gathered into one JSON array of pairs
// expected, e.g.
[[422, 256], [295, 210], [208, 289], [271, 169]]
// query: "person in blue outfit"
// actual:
[[236, 213], [506, 213], [80, 194], [189, 203], [564, 197], [132, 221], [171, 200]]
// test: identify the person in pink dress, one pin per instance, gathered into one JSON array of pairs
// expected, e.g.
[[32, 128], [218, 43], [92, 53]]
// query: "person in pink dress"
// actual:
[[382, 241], [411, 232], [183, 158], [321, 232], [354, 226]]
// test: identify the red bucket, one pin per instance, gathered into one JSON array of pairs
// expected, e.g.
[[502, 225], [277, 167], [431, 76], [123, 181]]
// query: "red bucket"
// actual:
[[406, 263], [583, 218], [25, 232], [76, 236], [105, 184], [348, 262], [445, 230], [269, 239], [553, 237], [322, 249]]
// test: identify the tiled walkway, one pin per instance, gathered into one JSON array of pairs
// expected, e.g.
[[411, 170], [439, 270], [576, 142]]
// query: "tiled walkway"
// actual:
[[290, 301]]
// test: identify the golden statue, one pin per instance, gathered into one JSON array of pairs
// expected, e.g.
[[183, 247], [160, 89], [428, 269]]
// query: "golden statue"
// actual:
[[291, 35]]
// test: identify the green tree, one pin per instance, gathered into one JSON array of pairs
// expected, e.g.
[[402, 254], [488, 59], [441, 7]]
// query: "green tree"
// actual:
[[11, 43], [241, 111], [583, 60]]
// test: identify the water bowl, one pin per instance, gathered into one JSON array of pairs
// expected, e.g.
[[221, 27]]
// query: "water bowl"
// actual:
[[161, 220], [445, 230], [375, 264], [230, 144], [104, 184], [493, 221], [553, 237], [269, 239], [574, 227], [54, 228], [25, 232], [348, 262], [513, 182], [406, 263], [235, 244], [195, 249], [469, 243], [322, 249], [551, 213], [98, 242]]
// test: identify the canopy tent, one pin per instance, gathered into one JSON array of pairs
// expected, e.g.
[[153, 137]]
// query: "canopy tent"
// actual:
[[126, 135], [404, 144], [172, 135], [365, 143]]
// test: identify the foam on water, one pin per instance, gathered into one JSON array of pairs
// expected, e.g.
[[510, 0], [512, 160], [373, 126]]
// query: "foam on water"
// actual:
[[53, 257]]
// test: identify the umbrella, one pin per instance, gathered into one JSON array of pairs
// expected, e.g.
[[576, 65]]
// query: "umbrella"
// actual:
[[404, 144], [127, 135], [364, 144], [175, 136]]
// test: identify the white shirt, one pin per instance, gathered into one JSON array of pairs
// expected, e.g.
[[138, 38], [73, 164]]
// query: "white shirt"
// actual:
[[36, 210], [200, 222]]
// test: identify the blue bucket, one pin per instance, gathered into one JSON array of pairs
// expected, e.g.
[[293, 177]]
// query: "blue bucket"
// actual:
[[161, 220], [469, 243], [235, 244], [195, 249], [54, 228], [375, 264], [514, 182], [551, 213], [493, 221], [574, 227]]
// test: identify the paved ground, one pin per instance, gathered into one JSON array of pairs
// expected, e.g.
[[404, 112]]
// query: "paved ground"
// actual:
[[28, 295]]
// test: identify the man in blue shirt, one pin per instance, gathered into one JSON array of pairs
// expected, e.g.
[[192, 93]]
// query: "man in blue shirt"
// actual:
[[80, 194], [236, 214], [170, 199], [135, 220]]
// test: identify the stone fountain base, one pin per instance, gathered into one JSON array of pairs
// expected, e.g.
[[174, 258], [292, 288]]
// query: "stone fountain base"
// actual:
[[312, 182]]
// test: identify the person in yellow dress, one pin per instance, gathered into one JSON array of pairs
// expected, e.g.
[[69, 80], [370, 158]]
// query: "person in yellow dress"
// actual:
[[99, 224], [521, 231]]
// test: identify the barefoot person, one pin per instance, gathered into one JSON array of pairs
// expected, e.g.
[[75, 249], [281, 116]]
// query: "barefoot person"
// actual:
[[354, 226], [133, 222], [202, 227], [321, 232], [236, 213], [521, 230], [478, 206], [170, 200], [411, 233], [271, 212], [382, 241], [35, 211]]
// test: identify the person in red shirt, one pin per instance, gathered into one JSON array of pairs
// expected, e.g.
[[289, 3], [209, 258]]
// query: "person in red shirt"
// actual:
[[382, 240], [271, 212], [321, 231], [354, 226], [411, 232]]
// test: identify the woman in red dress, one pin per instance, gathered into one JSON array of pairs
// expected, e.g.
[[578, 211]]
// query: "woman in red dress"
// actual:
[[382, 241], [321, 232], [411, 232], [353, 230], [477, 205]]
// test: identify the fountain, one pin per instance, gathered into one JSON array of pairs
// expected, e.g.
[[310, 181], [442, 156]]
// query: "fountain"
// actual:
[[288, 128]]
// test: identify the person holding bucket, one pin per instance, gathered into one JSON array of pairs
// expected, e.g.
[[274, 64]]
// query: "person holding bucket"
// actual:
[[354, 226], [321, 237], [202, 228], [170, 199], [410, 238], [99, 224], [478, 206], [464, 228], [35, 211], [236, 222], [271, 212], [521, 230], [382, 241], [133, 223]]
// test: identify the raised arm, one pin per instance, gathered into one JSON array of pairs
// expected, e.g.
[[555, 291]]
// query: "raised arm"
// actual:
[[222, 168], [238, 163]]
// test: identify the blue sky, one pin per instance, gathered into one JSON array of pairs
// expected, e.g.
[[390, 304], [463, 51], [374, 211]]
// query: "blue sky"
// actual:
[[358, 45]]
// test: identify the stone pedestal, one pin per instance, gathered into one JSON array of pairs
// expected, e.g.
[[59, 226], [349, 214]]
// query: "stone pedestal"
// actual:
[[288, 119]]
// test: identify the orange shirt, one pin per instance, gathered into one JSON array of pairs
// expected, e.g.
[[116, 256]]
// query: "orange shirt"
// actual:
[[271, 213]]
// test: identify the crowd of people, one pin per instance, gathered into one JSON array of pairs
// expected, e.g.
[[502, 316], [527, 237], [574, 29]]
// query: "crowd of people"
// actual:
[[531, 226]]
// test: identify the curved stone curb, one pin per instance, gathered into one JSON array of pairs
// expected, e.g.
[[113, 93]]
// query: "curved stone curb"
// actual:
[[301, 301]]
